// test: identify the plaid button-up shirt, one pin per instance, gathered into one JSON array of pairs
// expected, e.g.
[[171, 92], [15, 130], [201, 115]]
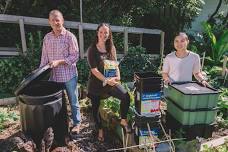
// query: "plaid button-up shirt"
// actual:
[[61, 47]]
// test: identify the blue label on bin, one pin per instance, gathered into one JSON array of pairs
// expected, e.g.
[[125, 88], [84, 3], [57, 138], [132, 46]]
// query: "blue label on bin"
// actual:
[[151, 96], [145, 132], [110, 73]]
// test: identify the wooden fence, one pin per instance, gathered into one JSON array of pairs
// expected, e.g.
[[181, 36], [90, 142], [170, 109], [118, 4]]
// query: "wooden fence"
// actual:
[[22, 20], [8, 51]]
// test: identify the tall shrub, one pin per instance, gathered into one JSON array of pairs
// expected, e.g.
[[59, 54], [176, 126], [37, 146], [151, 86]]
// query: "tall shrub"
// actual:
[[14, 69], [218, 46]]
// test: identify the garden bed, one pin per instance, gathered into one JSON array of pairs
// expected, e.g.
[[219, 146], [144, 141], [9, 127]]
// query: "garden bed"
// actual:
[[11, 133], [86, 141]]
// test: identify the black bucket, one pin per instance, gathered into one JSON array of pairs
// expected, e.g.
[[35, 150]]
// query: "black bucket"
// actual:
[[42, 105]]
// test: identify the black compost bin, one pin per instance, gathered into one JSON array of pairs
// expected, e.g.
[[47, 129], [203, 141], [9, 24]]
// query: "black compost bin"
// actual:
[[42, 105], [148, 81], [148, 92]]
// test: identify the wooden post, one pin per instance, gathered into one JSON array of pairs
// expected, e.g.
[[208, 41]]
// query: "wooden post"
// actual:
[[162, 46], [202, 64], [23, 40], [81, 41], [224, 65], [125, 40], [140, 39], [81, 11]]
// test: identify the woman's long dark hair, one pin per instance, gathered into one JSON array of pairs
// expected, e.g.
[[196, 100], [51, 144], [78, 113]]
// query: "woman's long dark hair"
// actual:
[[109, 42]]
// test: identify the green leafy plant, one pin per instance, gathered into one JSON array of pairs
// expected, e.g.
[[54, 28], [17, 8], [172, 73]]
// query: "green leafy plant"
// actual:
[[137, 60], [83, 71], [7, 117], [213, 71], [114, 104], [222, 148], [219, 46], [189, 146], [223, 104], [14, 69], [222, 123]]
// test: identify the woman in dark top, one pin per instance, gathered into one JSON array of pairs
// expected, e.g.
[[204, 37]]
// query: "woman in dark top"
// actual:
[[99, 85]]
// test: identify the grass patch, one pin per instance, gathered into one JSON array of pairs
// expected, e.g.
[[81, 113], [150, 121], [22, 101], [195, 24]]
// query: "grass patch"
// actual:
[[7, 116]]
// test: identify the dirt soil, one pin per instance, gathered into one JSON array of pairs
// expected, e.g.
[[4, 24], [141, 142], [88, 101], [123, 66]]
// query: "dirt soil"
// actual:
[[13, 139]]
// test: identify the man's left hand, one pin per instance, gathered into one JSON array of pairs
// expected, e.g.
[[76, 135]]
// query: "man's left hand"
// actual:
[[55, 63]]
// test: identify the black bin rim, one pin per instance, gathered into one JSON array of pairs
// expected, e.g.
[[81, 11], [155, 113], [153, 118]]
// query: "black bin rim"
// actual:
[[34, 75], [146, 75], [45, 96], [35, 98], [38, 104], [38, 98]]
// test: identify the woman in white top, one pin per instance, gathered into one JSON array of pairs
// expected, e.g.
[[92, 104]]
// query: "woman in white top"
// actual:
[[181, 64]]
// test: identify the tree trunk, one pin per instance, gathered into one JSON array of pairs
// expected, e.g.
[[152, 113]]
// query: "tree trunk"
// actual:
[[6, 6], [215, 12]]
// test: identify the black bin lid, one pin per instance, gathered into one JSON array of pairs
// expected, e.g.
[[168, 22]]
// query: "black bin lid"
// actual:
[[35, 75]]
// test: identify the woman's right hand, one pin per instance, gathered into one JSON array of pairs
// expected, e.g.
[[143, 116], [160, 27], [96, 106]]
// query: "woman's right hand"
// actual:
[[167, 81], [112, 81]]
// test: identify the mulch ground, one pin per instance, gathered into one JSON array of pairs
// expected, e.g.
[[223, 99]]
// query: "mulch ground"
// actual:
[[13, 139]]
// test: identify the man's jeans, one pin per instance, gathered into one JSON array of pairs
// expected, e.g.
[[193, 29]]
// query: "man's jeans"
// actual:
[[72, 93]]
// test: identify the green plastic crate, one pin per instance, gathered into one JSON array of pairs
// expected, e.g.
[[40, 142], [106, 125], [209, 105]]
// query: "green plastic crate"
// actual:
[[191, 117], [192, 95]]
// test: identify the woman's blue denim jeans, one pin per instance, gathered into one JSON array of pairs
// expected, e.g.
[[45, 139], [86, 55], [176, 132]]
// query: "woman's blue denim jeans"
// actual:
[[72, 93]]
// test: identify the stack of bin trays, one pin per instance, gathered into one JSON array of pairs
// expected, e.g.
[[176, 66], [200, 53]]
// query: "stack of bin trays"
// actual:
[[190, 104], [147, 105]]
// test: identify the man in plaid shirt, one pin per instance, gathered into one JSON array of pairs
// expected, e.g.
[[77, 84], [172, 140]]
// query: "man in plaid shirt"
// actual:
[[60, 50]]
